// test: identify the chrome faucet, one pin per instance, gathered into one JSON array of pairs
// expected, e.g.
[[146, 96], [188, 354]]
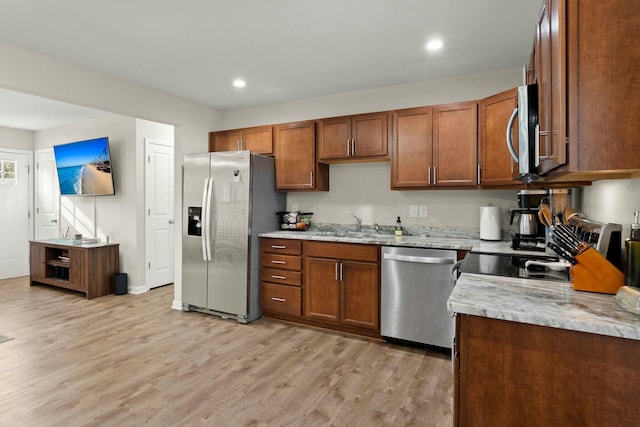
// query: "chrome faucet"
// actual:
[[358, 223], [376, 227]]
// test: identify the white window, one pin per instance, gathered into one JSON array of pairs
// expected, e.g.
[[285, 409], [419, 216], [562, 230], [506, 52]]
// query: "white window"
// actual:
[[8, 172]]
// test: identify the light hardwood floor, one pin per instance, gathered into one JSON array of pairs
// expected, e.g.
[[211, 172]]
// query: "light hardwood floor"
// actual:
[[132, 360]]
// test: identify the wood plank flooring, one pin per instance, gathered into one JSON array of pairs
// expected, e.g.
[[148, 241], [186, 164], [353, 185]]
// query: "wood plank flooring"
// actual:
[[132, 360]]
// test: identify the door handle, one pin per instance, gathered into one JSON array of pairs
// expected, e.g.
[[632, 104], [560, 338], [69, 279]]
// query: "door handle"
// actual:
[[419, 259], [171, 221], [54, 220]]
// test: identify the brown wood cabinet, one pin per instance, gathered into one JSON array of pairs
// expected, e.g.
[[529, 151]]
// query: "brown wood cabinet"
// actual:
[[550, 64], [363, 136], [342, 284], [516, 374], [435, 146], [89, 269], [586, 66], [256, 139], [295, 154], [497, 168], [281, 277]]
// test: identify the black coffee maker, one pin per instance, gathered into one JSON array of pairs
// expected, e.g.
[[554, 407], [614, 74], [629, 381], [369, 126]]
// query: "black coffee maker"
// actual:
[[529, 230]]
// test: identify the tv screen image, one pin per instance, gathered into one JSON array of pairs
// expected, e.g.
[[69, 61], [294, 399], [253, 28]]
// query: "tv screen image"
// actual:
[[84, 168]]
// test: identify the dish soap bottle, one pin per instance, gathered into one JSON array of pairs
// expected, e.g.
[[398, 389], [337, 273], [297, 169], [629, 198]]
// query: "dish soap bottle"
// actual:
[[399, 227], [632, 251]]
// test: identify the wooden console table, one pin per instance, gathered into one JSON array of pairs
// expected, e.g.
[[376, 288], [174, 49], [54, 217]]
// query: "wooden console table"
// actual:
[[87, 268]]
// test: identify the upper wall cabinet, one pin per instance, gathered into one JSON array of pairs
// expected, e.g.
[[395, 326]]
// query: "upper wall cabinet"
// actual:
[[258, 140], [363, 136], [586, 67], [550, 63], [497, 168], [435, 147], [295, 153]]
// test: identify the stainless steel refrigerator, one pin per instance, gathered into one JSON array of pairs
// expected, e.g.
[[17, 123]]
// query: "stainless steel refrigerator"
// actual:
[[228, 199]]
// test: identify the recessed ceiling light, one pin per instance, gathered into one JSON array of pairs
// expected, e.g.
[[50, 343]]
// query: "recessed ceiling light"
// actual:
[[239, 83], [434, 44]]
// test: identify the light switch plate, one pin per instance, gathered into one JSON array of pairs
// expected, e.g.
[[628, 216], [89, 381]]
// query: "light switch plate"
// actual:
[[413, 211], [424, 212]]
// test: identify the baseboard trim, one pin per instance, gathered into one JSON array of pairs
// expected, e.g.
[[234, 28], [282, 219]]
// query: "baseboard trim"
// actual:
[[177, 305], [136, 290]]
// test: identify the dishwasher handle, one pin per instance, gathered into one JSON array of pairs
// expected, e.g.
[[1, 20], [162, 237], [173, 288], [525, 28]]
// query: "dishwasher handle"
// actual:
[[419, 259]]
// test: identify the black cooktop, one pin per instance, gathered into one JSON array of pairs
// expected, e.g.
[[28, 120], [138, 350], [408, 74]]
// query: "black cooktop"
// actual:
[[511, 265]]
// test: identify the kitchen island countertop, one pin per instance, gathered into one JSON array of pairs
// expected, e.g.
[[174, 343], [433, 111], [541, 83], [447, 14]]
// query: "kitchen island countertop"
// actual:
[[543, 303]]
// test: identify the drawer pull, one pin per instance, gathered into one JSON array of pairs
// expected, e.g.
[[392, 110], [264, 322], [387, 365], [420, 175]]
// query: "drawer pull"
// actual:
[[278, 262], [279, 277], [278, 247], [279, 299]]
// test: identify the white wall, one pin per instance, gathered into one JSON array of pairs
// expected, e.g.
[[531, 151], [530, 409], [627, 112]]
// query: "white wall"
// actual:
[[613, 201], [16, 138], [114, 216], [121, 217], [362, 189], [37, 74]]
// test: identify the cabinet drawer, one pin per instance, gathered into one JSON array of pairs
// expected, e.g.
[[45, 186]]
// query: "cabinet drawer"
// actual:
[[350, 251], [284, 262], [281, 276], [281, 298], [281, 246]]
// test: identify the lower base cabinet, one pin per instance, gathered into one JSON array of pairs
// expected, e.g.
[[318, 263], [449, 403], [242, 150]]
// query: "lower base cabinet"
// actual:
[[331, 285], [516, 374], [89, 269], [342, 292]]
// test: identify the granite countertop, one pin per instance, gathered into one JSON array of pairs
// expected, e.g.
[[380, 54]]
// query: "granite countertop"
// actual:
[[544, 303], [372, 238]]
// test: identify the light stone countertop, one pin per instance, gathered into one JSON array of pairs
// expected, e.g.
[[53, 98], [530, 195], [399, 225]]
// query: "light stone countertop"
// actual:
[[543, 303], [440, 242]]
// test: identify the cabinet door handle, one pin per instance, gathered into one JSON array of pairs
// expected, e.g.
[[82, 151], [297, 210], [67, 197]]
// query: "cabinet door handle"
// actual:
[[311, 179], [279, 299], [353, 146], [336, 271], [478, 173], [341, 272], [429, 176], [279, 277], [278, 262], [278, 247], [348, 147], [435, 179]]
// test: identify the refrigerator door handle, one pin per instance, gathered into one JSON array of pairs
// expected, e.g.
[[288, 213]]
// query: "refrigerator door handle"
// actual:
[[207, 230], [203, 219]]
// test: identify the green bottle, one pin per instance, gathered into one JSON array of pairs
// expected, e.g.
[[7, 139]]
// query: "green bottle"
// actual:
[[632, 252]]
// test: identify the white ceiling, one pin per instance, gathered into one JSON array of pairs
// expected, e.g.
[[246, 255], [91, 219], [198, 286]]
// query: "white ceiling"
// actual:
[[284, 49]]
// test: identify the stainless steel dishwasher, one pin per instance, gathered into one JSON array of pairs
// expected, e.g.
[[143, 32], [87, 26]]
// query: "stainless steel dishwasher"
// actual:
[[416, 284]]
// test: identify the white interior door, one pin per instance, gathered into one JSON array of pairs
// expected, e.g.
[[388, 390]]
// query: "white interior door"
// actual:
[[47, 196], [159, 205], [15, 217]]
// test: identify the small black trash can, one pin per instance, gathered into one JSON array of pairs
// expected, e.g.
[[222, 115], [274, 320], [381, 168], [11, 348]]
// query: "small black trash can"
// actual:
[[120, 283]]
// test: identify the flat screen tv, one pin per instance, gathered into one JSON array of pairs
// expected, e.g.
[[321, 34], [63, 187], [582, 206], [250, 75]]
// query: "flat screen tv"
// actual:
[[84, 168]]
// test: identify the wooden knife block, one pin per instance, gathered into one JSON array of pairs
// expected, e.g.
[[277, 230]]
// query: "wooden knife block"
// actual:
[[593, 273]]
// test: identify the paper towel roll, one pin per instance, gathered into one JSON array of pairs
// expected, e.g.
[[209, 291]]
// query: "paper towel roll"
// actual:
[[490, 225]]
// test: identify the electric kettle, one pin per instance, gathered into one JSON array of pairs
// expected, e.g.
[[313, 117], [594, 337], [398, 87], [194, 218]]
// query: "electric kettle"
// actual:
[[527, 224]]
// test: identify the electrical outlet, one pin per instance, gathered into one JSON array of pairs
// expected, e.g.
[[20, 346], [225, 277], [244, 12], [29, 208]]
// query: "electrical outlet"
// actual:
[[413, 211], [424, 212]]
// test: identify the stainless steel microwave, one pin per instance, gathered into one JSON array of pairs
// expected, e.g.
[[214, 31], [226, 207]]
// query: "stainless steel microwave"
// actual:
[[528, 155]]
